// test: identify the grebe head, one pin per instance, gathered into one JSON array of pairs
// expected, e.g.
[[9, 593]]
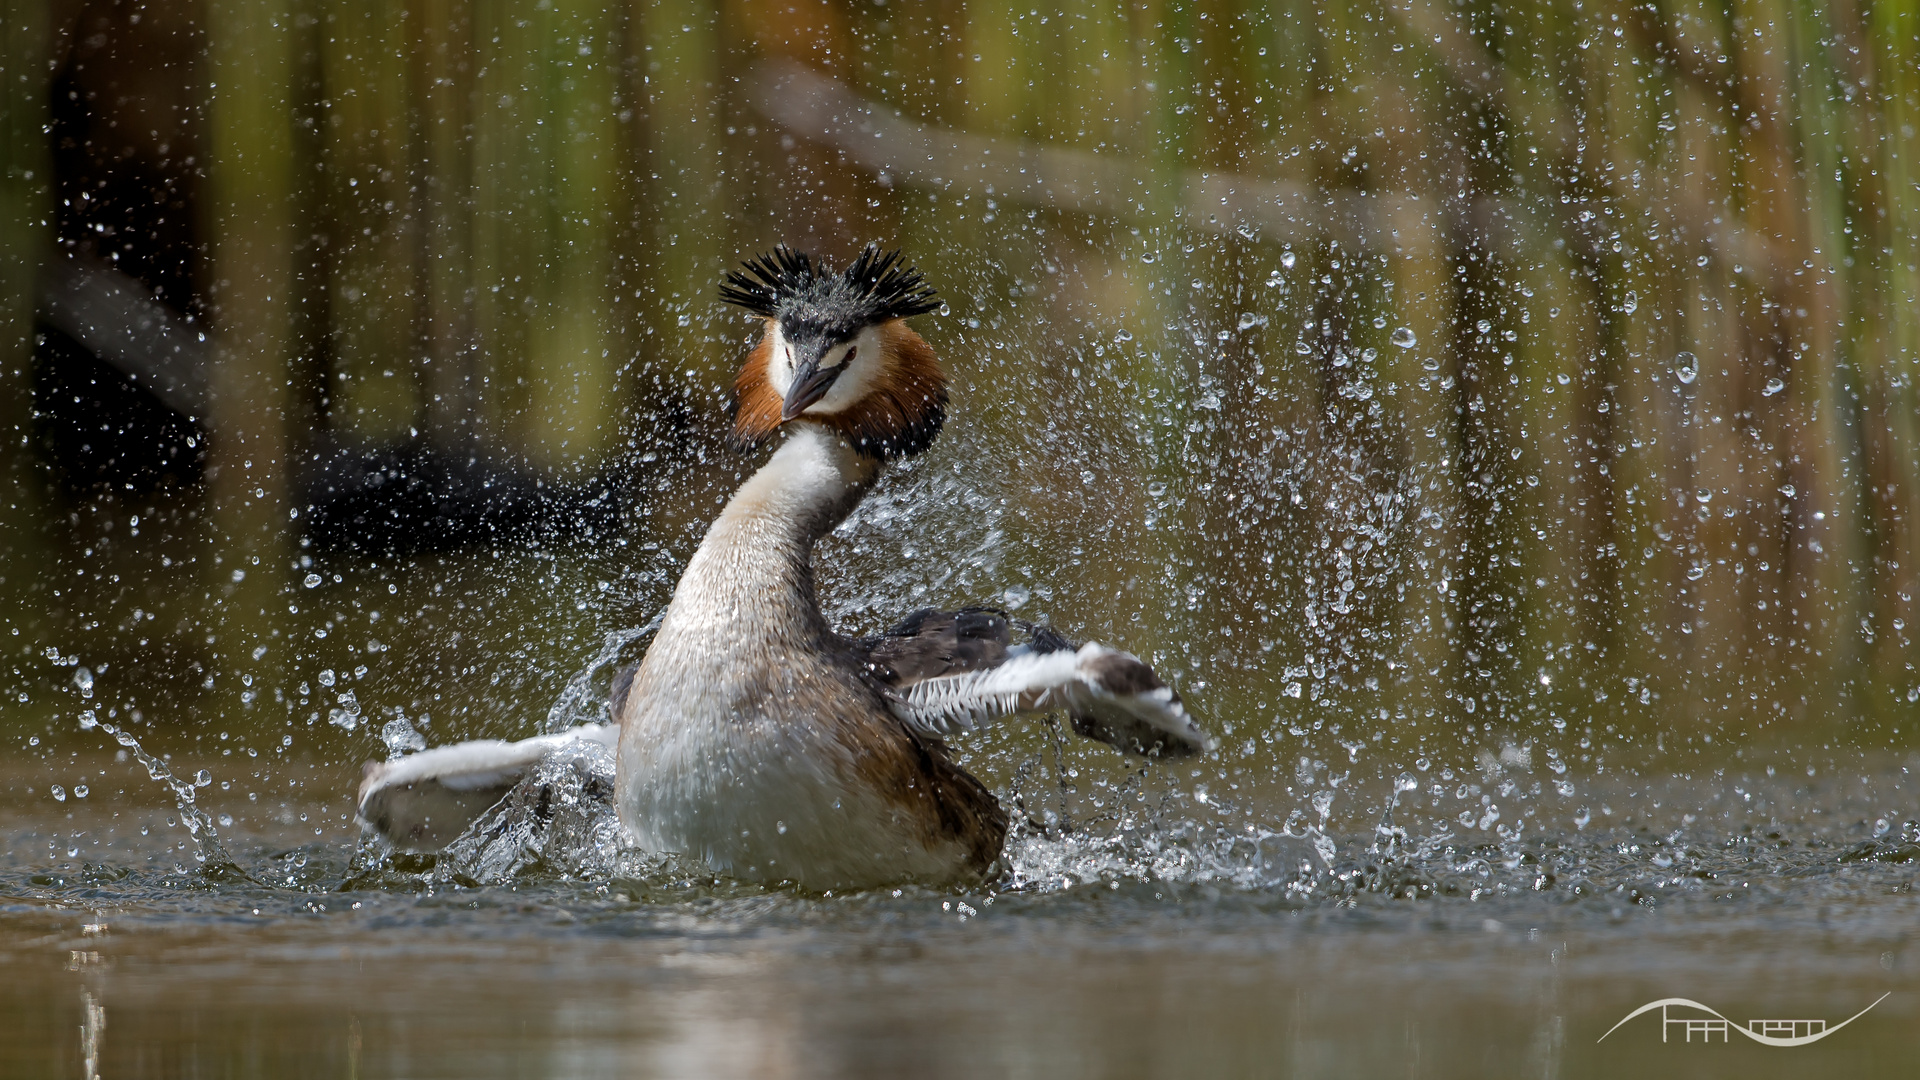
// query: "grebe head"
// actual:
[[836, 351]]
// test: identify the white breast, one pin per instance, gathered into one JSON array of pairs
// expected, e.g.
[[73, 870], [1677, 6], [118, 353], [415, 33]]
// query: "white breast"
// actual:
[[742, 742]]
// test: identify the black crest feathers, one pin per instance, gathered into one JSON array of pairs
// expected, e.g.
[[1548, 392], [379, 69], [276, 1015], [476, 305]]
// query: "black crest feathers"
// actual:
[[805, 294]]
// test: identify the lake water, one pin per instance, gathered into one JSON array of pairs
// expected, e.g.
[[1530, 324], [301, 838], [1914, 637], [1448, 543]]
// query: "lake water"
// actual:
[[1155, 943]]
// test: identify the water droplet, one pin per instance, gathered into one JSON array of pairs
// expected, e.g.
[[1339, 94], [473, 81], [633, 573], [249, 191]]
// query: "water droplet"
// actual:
[[59, 793], [326, 677], [401, 738], [1016, 597], [1324, 847], [1248, 320], [88, 721], [311, 581], [1686, 368], [1286, 259], [1695, 573], [79, 791], [1405, 337], [1302, 348], [83, 678], [1581, 818], [1123, 335], [1773, 387], [1149, 257], [203, 778], [1630, 305]]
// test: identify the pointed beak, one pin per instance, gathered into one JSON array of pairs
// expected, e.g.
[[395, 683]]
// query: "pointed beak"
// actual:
[[810, 384]]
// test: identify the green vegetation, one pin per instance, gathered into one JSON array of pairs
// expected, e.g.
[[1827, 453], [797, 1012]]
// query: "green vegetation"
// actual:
[[1533, 360]]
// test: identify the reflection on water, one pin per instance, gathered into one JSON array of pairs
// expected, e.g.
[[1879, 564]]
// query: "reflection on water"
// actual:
[[93, 1024], [1114, 948]]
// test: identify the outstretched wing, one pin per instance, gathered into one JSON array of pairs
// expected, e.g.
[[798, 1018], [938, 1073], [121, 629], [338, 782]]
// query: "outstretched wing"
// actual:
[[947, 672], [425, 800]]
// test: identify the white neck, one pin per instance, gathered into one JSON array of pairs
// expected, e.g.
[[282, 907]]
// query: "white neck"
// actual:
[[756, 562], [809, 486]]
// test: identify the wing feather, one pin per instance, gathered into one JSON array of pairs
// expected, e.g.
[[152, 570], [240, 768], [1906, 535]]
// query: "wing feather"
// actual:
[[424, 800], [1110, 695]]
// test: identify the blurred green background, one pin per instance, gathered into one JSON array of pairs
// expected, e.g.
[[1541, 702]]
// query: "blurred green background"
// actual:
[[1415, 376]]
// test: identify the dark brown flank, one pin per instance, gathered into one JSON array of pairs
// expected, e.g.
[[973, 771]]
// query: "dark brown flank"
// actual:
[[914, 773]]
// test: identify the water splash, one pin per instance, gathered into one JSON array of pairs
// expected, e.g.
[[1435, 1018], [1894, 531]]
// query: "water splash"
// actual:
[[401, 737], [559, 819], [584, 701], [208, 851]]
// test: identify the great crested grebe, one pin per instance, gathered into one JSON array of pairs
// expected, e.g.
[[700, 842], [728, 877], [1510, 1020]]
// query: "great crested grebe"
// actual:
[[753, 737]]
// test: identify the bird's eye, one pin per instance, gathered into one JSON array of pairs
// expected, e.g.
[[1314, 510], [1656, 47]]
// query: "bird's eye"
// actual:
[[851, 349]]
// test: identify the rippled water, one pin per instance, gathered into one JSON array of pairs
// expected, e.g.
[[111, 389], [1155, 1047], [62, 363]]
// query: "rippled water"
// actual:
[[1152, 935]]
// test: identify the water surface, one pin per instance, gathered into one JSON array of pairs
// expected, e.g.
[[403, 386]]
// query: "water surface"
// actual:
[[1172, 950]]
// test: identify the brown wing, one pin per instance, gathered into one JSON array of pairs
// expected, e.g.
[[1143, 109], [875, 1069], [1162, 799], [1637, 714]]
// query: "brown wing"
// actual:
[[928, 644], [945, 672]]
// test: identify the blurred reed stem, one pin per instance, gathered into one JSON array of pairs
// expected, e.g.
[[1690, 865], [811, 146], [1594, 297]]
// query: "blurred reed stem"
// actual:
[[249, 216], [26, 232]]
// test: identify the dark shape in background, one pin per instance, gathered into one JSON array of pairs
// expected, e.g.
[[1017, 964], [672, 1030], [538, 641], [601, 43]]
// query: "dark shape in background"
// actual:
[[122, 360], [120, 386], [414, 496]]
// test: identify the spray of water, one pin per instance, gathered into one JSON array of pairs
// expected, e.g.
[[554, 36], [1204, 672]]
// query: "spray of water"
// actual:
[[584, 701], [208, 852]]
